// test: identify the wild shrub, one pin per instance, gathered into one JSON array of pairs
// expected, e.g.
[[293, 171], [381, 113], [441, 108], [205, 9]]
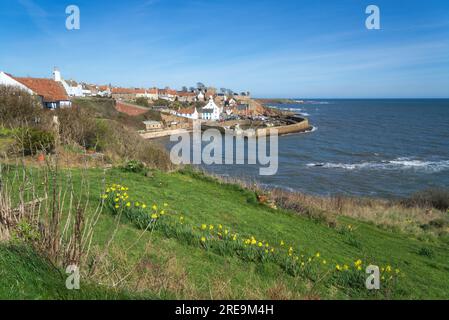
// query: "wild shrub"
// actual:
[[134, 166], [426, 252], [142, 102], [18, 107], [77, 125], [436, 198], [31, 141]]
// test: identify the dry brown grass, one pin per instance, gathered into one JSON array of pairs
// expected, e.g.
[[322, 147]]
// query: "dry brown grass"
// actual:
[[404, 216]]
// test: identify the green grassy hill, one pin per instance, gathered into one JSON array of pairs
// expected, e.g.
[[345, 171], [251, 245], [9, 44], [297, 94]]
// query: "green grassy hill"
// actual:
[[167, 263], [27, 275], [104, 108]]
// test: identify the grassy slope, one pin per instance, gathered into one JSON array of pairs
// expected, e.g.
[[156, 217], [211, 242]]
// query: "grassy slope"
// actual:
[[202, 274], [104, 109], [203, 201], [26, 275]]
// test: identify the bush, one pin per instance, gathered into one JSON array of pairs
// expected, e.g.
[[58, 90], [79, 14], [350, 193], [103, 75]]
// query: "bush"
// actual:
[[135, 167], [79, 126], [426, 252], [436, 198], [122, 144], [142, 102], [31, 141], [18, 107]]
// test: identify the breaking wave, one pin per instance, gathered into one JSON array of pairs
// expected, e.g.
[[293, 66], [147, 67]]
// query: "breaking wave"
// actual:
[[397, 164]]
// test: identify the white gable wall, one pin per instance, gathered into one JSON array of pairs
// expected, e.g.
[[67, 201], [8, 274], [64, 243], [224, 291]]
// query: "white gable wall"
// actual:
[[8, 81]]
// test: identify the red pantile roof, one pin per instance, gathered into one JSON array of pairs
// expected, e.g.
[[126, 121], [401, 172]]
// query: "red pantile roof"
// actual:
[[48, 89], [123, 91], [186, 111], [186, 94]]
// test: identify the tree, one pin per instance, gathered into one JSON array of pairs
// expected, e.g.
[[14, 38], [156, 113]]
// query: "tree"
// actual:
[[184, 89], [200, 85]]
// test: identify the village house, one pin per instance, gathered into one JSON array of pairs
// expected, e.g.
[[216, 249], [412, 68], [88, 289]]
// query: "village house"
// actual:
[[153, 94], [189, 113], [8, 80], [71, 87], [104, 91], [142, 93], [151, 125], [186, 96], [201, 96], [167, 94], [123, 93], [211, 111], [51, 93], [210, 95]]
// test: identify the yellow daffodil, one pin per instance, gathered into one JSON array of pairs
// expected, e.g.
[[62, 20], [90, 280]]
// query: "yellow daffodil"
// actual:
[[203, 227], [282, 243], [128, 204], [154, 216], [203, 239]]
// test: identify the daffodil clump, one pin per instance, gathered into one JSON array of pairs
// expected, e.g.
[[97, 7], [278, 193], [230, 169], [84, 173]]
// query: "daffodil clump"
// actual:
[[352, 276], [226, 242], [144, 215]]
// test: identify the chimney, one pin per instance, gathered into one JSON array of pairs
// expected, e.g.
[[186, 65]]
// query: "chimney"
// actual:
[[56, 75]]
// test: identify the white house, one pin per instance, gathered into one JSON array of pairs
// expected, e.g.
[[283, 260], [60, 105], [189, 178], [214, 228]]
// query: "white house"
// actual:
[[201, 96], [232, 102], [190, 113], [72, 88], [8, 80], [211, 111], [104, 91]]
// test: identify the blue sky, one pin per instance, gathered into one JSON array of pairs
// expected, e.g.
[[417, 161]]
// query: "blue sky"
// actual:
[[283, 48]]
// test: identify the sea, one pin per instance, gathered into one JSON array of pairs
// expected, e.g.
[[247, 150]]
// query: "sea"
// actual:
[[373, 148]]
